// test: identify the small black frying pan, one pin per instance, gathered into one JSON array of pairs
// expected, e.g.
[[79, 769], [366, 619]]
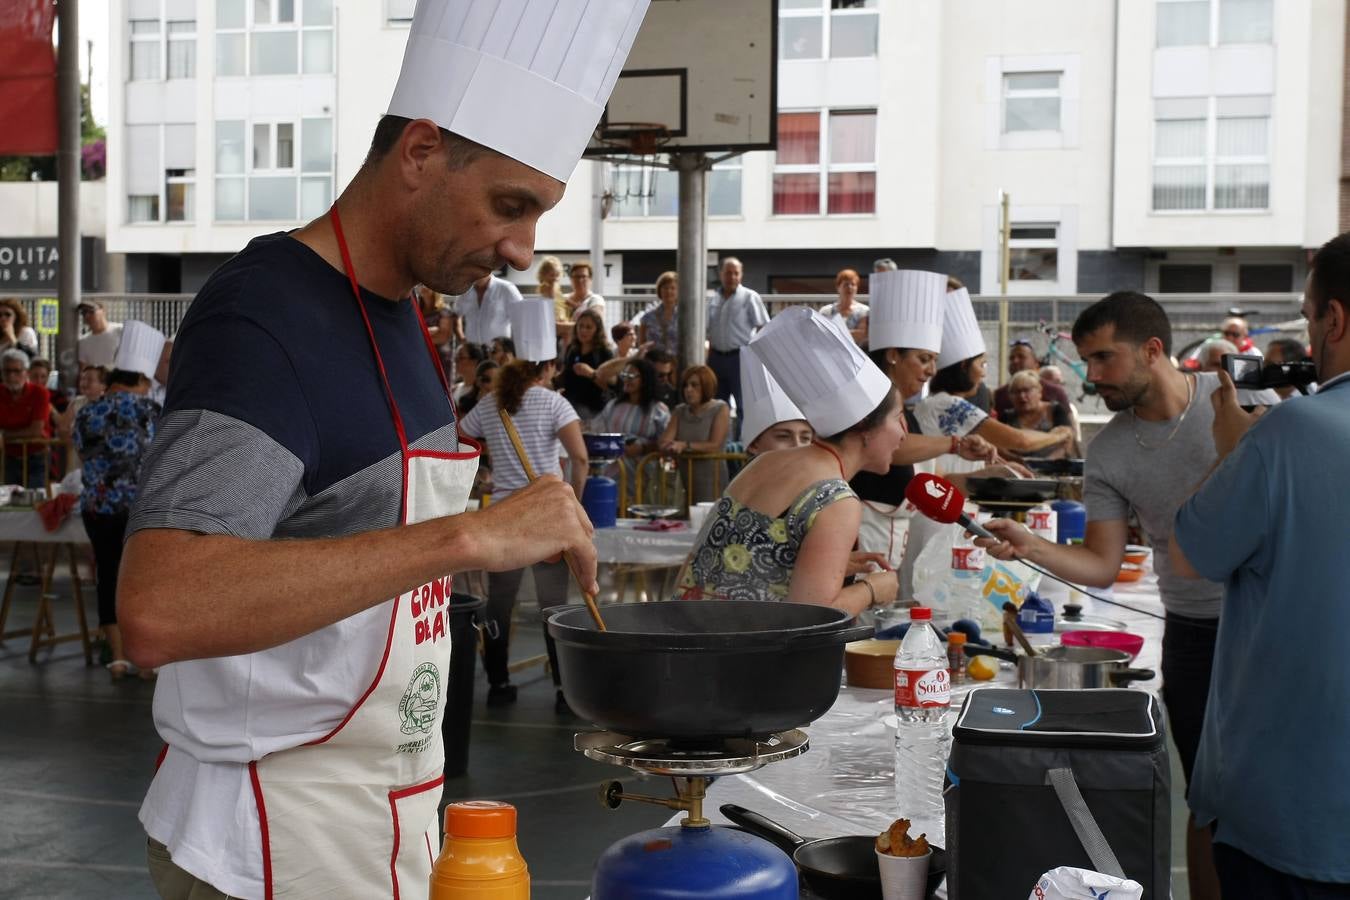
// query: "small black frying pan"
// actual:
[[839, 867]]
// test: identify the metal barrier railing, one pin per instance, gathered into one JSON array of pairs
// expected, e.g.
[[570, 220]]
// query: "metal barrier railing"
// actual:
[[40, 452], [668, 480]]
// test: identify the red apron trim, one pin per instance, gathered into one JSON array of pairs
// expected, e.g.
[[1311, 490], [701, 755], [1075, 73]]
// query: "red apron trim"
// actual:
[[379, 673], [262, 828], [394, 797], [447, 454], [159, 759], [431, 857]]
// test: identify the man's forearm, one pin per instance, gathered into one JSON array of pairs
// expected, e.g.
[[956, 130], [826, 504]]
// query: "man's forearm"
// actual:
[[1075, 563], [183, 595]]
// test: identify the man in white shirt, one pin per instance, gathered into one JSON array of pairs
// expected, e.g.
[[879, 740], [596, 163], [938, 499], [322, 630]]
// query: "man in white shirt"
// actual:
[[485, 310], [735, 313], [581, 296], [99, 346]]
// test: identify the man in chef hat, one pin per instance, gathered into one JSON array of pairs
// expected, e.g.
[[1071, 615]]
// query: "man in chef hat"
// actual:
[[302, 509]]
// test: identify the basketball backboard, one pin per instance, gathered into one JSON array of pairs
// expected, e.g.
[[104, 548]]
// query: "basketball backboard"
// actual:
[[705, 70]]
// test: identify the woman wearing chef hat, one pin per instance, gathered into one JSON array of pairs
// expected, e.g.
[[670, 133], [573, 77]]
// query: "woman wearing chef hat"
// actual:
[[111, 435], [785, 527]]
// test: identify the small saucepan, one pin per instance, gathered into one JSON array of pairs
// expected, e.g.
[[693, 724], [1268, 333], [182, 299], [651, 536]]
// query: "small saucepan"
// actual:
[[1069, 668], [838, 867]]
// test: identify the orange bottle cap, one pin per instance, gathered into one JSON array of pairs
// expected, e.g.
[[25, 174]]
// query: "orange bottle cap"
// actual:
[[956, 637], [480, 819]]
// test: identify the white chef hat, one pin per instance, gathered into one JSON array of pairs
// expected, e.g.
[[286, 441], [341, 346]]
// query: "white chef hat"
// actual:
[[765, 403], [961, 336], [906, 310], [139, 349], [534, 329], [485, 69], [821, 369]]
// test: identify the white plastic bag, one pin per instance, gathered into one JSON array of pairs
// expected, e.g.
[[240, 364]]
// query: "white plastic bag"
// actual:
[[1068, 883]]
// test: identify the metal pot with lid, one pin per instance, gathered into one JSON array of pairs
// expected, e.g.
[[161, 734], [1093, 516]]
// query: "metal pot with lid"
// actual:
[[1069, 668]]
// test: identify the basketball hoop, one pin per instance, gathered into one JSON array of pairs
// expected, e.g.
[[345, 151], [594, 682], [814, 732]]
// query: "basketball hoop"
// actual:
[[634, 150]]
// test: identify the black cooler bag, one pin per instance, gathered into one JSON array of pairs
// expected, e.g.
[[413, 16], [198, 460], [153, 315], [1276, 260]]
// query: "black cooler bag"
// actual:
[[1019, 758]]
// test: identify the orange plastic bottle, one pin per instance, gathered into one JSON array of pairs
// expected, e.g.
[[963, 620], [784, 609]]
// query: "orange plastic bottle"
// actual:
[[480, 859]]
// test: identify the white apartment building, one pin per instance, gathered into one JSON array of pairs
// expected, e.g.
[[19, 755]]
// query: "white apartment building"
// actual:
[[1162, 145]]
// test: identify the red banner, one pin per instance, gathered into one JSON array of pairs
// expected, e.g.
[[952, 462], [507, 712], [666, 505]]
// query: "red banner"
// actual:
[[27, 78]]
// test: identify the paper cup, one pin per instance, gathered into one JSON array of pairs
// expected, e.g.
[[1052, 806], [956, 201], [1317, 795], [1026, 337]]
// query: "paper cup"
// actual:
[[903, 877], [697, 514]]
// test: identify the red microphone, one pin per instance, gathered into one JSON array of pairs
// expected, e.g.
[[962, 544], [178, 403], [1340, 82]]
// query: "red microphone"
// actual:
[[938, 499]]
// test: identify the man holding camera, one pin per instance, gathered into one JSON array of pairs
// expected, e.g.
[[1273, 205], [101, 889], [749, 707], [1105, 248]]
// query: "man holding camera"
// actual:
[[1269, 775]]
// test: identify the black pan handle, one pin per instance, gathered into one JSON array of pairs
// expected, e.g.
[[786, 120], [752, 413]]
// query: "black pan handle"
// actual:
[[843, 636], [760, 826], [1125, 676], [998, 652]]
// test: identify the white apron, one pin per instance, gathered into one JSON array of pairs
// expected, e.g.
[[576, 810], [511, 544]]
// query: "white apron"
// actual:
[[353, 814]]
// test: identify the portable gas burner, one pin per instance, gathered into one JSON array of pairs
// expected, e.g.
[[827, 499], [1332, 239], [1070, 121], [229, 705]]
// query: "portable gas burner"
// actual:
[[697, 856]]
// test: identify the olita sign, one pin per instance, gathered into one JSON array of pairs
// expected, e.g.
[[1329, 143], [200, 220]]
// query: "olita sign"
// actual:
[[923, 688]]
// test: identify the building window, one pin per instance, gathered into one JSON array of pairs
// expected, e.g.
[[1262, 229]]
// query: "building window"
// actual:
[[826, 160], [183, 48], [273, 12], [807, 29], [1212, 154], [1208, 23], [283, 37], [1265, 278], [399, 12], [1033, 252], [289, 175], [180, 187], [143, 208], [145, 50], [160, 172], [1031, 101], [649, 191], [1185, 278]]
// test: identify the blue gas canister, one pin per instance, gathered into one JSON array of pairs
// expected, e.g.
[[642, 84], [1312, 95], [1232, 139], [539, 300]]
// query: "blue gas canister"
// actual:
[[600, 499], [1071, 517], [711, 863]]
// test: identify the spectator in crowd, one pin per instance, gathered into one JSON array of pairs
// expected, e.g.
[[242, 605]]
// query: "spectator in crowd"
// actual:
[[25, 413], [1211, 357], [625, 340], [40, 371], [847, 311], [945, 412], [503, 350], [484, 310], [1155, 449], [15, 332], [549, 275], [663, 366], [99, 346], [885, 264], [467, 358], [660, 326], [1030, 410], [700, 425], [483, 379], [586, 352], [546, 425], [1269, 778], [1286, 350], [582, 297], [734, 315], [1022, 358], [111, 435], [92, 385], [1235, 330], [637, 415], [437, 318]]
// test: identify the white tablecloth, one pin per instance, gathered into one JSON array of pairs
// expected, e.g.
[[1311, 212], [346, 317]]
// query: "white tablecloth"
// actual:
[[23, 524], [624, 543]]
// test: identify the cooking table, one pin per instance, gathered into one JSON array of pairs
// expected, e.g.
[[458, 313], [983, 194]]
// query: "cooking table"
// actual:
[[635, 552], [23, 526]]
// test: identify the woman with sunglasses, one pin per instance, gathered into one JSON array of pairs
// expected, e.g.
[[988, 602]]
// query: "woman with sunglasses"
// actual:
[[638, 416], [482, 386], [15, 332]]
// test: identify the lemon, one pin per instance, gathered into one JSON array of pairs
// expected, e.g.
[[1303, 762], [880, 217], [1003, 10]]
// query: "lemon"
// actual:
[[981, 668]]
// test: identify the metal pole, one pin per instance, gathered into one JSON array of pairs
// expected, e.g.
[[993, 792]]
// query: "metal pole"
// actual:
[[1004, 264], [692, 254], [68, 190], [598, 232]]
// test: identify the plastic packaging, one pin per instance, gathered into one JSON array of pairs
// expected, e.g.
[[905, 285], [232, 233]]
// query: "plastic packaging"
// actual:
[[922, 699], [479, 859], [1068, 883], [949, 577]]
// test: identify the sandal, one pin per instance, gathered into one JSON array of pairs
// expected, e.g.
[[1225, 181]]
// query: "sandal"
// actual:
[[120, 668]]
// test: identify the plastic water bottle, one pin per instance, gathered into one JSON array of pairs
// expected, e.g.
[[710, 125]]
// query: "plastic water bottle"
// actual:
[[965, 583], [922, 699]]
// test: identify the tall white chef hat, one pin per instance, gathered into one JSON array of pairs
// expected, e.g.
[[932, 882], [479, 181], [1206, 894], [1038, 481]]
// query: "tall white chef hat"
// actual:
[[821, 369], [534, 329], [139, 349], [961, 336], [906, 310], [485, 69], [765, 403]]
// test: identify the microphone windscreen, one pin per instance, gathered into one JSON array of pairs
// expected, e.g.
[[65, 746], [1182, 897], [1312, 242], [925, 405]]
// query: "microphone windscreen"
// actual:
[[935, 497]]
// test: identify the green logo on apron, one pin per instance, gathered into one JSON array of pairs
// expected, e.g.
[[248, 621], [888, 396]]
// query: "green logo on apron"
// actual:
[[417, 709]]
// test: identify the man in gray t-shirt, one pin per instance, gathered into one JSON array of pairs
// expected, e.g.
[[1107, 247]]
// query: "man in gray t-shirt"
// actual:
[[1148, 459]]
